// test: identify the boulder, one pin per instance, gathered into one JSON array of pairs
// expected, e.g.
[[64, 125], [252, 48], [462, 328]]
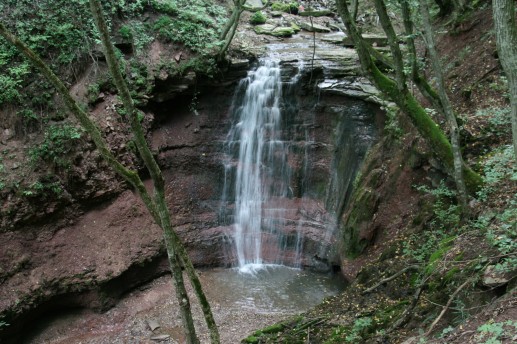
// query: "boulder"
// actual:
[[375, 40], [320, 13], [494, 278], [314, 27], [277, 31]]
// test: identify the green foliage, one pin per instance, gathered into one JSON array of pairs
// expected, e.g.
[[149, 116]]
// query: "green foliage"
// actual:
[[202, 64], [57, 143], [285, 7], [258, 18], [444, 223], [392, 125], [93, 92], [139, 80], [500, 226], [141, 34], [446, 211], [498, 166], [499, 120], [360, 327], [443, 247], [166, 7], [10, 90], [43, 188], [63, 34], [493, 332], [197, 25], [355, 334], [125, 32]]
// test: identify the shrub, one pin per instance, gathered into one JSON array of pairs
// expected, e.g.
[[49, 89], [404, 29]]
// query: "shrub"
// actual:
[[57, 143], [288, 8], [166, 7], [197, 25], [258, 18], [125, 32]]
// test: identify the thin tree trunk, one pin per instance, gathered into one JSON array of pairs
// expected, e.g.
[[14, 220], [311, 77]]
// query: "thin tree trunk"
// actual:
[[234, 20], [156, 211], [393, 43], [175, 248], [447, 106], [355, 9], [506, 35], [423, 86], [235, 17], [154, 170], [231, 26]]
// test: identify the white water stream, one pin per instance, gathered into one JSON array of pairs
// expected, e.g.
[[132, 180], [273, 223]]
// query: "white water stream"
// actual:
[[261, 175]]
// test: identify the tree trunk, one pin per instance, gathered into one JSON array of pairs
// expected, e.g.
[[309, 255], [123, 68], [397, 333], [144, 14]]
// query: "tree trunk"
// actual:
[[447, 106], [506, 34], [175, 249], [421, 83], [228, 37], [429, 130], [355, 9], [156, 207], [393, 43], [231, 26]]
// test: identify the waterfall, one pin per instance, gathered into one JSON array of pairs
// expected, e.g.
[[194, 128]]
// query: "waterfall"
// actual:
[[257, 162]]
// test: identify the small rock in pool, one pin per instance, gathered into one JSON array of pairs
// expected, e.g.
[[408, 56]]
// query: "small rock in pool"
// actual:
[[153, 324], [160, 337]]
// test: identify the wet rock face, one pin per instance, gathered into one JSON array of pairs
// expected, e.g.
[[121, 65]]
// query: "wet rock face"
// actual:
[[327, 134]]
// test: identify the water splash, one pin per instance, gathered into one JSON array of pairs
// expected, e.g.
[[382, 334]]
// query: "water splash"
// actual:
[[260, 172]]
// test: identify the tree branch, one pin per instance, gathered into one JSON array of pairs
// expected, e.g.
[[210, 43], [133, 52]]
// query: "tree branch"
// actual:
[[446, 307], [392, 277]]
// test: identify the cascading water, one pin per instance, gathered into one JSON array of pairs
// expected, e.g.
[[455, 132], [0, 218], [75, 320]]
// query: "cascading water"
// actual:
[[260, 172]]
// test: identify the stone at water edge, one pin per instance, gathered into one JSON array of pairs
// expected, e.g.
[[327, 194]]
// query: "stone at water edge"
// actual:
[[314, 27], [277, 31], [153, 324], [377, 40], [254, 3], [160, 337], [320, 13]]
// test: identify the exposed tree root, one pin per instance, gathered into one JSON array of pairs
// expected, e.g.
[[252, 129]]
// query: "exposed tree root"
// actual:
[[392, 277]]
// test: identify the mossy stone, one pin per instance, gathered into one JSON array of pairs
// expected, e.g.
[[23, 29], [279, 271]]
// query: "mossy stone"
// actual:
[[268, 29], [314, 27], [321, 13]]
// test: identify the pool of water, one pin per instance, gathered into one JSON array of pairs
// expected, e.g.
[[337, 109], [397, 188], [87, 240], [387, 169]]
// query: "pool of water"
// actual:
[[242, 301], [270, 288]]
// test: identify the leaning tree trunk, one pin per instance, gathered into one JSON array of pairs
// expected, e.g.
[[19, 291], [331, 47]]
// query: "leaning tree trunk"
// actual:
[[429, 130], [421, 83], [398, 62], [447, 106], [506, 34], [355, 9], [175, 248], [155, 207], [231, 26]]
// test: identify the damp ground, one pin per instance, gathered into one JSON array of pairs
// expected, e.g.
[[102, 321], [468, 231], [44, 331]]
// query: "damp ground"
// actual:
[[241, 302]]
